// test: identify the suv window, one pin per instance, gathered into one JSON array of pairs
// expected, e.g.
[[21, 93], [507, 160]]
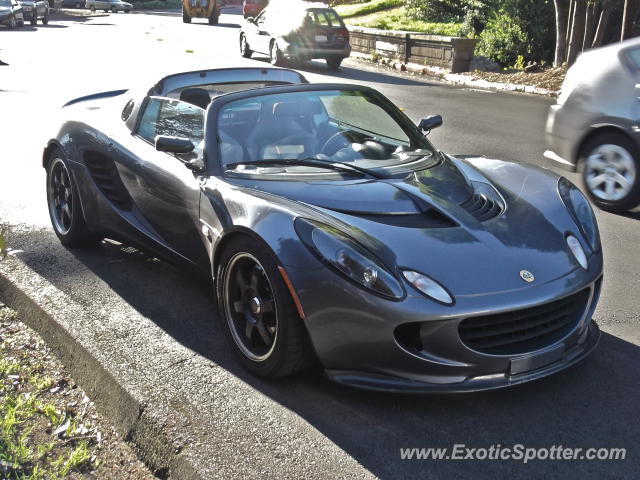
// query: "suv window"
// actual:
[[164, 116], [326, 18]]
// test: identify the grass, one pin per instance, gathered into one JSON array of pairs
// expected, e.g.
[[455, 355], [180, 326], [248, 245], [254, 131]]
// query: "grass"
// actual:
[[397, 19], [157, 4], [366, 8]]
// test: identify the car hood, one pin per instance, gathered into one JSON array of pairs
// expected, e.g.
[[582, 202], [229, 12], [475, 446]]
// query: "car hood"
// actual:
[[423, 221], [5, 10]]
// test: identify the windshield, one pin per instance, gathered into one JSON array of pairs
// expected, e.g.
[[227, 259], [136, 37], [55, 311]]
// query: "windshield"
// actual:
[[5, 3], [345, 126]]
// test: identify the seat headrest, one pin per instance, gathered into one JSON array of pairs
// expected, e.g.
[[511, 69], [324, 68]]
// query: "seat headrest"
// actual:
[[196, 96], [294, 109]]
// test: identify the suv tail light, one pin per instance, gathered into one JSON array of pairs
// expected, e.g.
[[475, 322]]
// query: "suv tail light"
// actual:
[[342, 35]]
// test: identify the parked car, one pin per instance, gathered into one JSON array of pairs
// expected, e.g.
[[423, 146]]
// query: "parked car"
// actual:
[[73, 4], [11, 14], [299, 31], [333, 231], [594, 127], [251, 8], [114, 6], [34, 10], [209, 9]]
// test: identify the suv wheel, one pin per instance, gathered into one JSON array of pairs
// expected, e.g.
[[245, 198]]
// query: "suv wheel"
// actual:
[[45, 19], [275, 54], [12, 22], [611, 172], [34, 19], [213, 19], [334, 63], [93, 9], [185, 16], [245, 51]]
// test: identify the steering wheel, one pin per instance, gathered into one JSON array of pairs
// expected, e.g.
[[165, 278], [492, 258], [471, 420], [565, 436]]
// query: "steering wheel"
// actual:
[[333, 139]]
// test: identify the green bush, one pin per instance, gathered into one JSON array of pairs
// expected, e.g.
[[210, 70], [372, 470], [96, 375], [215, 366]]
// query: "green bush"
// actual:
[[435, 10], [503, 40]]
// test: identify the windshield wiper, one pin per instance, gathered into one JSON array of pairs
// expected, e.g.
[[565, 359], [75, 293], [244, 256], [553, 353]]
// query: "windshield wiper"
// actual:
[[311, 162]]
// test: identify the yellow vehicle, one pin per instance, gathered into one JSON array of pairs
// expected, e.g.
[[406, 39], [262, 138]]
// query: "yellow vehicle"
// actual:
[[209, 9]]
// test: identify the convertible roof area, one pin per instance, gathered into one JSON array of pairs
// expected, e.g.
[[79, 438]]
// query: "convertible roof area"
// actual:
[[225, 75]]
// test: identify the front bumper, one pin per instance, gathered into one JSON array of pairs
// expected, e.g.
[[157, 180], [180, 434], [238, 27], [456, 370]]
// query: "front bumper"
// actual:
[[570, 355], [28, 14], [355, 333]]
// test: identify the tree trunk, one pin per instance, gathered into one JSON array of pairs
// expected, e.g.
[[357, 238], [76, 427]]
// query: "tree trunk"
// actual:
[[602, 23], [589, 26], [572, 7], [577, 31], [562, 19], [629, 16]]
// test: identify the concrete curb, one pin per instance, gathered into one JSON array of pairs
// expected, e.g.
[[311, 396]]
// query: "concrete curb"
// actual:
[[45, 309]]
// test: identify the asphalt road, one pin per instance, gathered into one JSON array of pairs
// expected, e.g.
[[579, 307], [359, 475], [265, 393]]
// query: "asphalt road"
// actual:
[[591, 405]]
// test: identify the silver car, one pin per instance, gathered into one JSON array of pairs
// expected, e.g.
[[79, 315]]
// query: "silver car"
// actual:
[[595, 125], [109, 5]]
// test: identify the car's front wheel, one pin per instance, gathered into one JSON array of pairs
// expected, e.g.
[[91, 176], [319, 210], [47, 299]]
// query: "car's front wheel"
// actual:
[[258, 311], [34, 19], [45, 19], [127, 11], [12, 22], [185, 16], [93, 9], [64, 205], [213, 19], [245, 51], [114, 10], [610, 172]]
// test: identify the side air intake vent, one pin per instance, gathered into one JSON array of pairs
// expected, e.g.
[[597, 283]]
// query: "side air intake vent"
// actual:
[[428, 219], [105, 175]]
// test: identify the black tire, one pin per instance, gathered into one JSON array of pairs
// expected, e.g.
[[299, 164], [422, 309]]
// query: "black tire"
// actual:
[[185, 16], [245, 51], [34, 20], [127, 11], [70, 228], [114, 10], [13, 23], [290, 350], [45, 19], [21, 23], [93, 9], [334, 63], [78, 5], [275, 54], [213, 19], [598, 169], [106, 11]]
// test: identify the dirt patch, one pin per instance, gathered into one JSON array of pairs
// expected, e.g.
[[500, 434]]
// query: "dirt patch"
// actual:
[[550, 78], [50, 428]]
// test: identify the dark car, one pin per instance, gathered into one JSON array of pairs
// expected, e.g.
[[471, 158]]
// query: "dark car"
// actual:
[[251, 8], [11, 14], [73, 3], [34, 10], [333, 231], [299, 31]]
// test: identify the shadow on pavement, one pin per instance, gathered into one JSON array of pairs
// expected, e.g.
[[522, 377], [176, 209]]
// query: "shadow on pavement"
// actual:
[[593, 404]]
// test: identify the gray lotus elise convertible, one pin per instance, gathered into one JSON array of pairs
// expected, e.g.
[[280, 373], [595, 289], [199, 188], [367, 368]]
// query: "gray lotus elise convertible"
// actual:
[[334, 232]]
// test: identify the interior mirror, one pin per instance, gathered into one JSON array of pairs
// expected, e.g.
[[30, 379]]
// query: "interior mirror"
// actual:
[[429, 123], [177, 145]]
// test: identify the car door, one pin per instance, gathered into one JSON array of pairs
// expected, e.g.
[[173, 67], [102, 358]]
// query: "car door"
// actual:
[[163, 189], [262, 36]]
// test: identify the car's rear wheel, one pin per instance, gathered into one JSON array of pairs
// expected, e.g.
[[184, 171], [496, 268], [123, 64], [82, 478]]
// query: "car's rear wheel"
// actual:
[[334, 63], [213, 19], [64, 205], [611, 172], [45, 19], [185, 16], [259, 313], [34, 19], [114, 10], [275, 54], [245, 51], [12, 22]]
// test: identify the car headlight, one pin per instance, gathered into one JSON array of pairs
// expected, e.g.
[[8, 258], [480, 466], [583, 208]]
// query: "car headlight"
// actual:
[[428, 287], [349, 258], [581, 211]]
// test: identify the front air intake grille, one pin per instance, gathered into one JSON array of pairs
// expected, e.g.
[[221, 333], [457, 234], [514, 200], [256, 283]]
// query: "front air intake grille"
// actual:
[[526, 330], [107, 179], [482, 207]]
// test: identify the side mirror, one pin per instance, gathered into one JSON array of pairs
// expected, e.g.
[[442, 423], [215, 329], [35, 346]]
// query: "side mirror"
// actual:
[[251, 20], [429, 123], [176, 145]]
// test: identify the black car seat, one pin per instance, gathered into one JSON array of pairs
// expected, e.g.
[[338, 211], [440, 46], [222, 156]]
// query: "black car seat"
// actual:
[[285, 129], [196, 96]]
